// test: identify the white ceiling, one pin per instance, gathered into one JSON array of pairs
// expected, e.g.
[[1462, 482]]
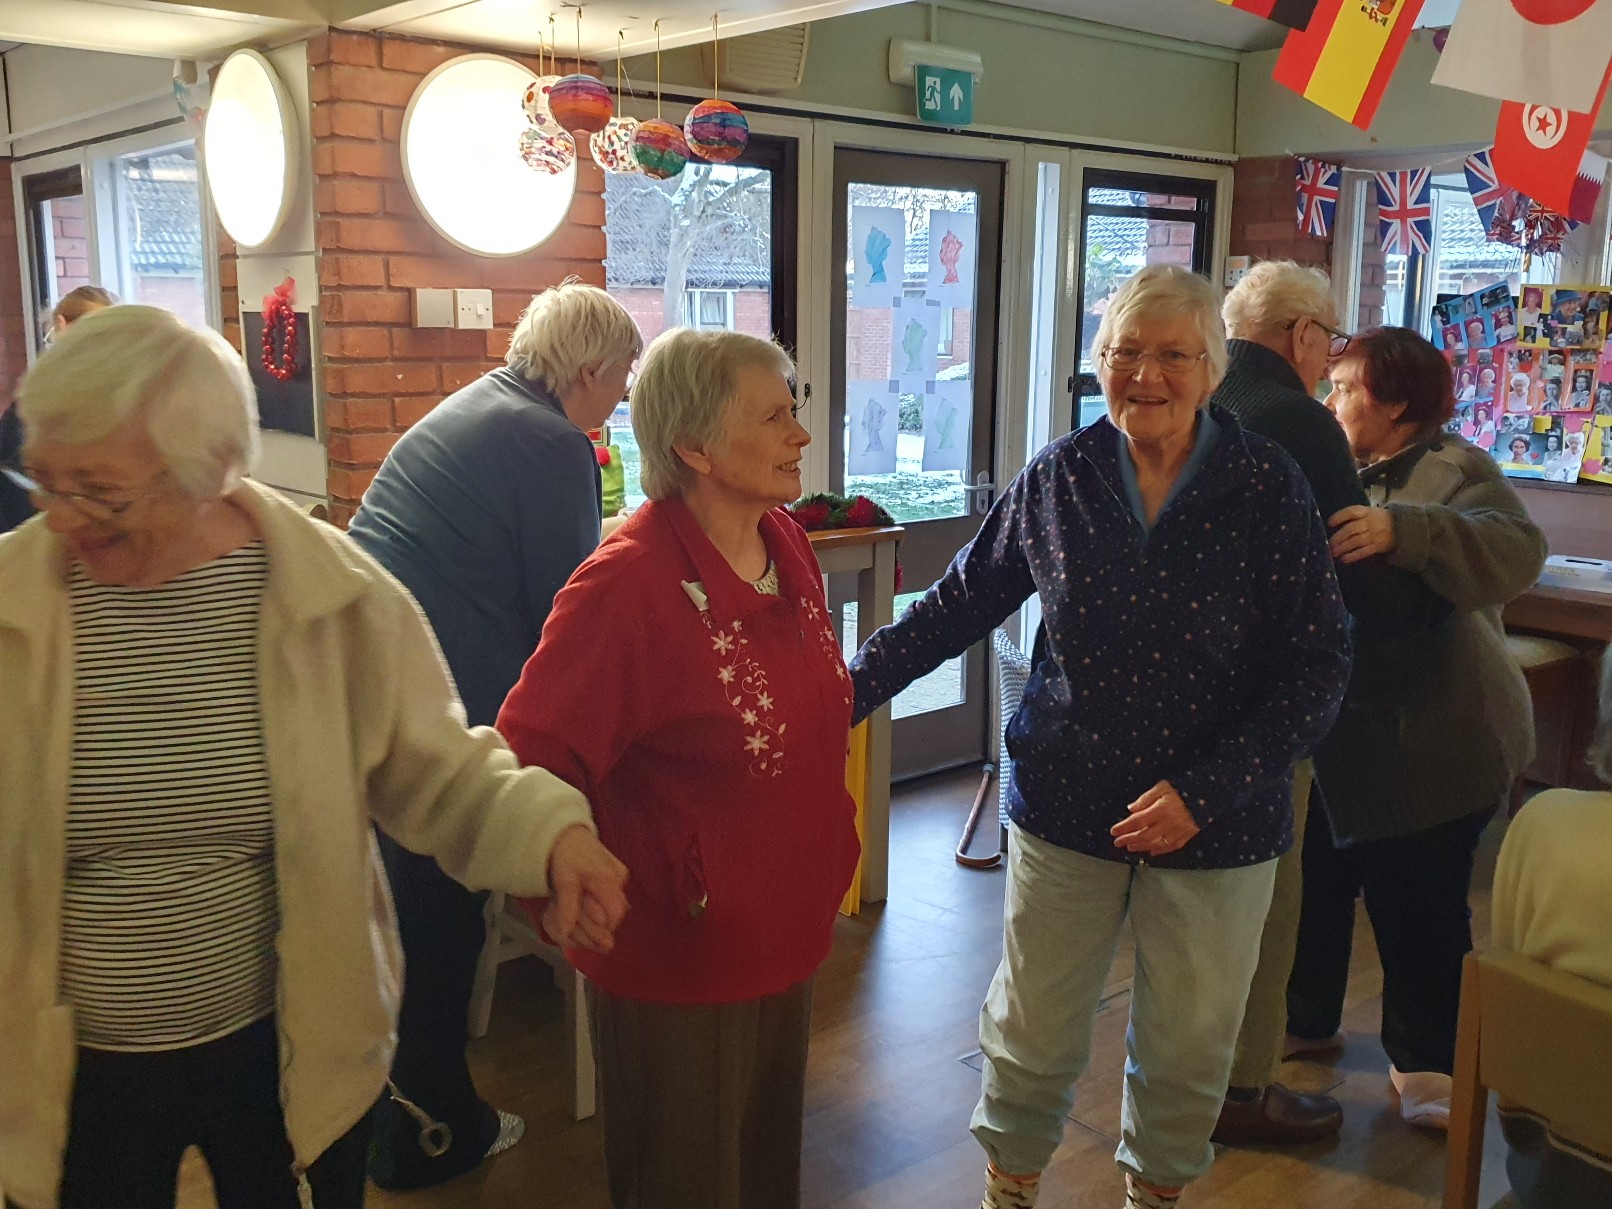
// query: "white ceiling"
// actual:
[[183, 28]]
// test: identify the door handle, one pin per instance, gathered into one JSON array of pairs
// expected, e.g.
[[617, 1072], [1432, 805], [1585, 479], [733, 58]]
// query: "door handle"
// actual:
[[982, 491]]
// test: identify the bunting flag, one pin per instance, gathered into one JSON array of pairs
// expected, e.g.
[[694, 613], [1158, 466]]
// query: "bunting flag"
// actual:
[[1485, 189], [1316, 192], [1343, 59], [1544, 152], [1548, 52], [1405, 210], [1295, 14]]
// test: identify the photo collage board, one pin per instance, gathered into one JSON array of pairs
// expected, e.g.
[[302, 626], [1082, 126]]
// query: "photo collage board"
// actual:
[[1533, 379]]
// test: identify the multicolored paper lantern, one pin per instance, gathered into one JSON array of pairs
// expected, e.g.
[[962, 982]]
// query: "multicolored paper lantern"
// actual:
[[716, 131], [659, 148], [612, 146], [547, 151], [580, 102], [535, 101]]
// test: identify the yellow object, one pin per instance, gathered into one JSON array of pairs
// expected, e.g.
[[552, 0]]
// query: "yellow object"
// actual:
[[856, 783]]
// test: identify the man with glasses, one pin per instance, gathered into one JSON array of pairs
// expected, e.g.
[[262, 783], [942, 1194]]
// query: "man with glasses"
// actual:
[[1283, 329]]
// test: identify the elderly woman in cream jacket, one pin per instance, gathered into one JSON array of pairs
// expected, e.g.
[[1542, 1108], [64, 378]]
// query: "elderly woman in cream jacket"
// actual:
[[196, 945]]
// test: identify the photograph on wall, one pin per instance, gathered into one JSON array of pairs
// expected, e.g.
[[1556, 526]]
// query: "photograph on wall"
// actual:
[[1526, 370], [948, 422], [1496, 303], [1581, 371], [1530, 315], [1597, 463], [953, 258], [282, 375], [872, 410], [915, 342], [877, 254]]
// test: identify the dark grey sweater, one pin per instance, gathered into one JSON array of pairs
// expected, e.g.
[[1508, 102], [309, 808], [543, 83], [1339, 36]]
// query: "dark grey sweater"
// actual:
[[1264, 392], [1438, 725]]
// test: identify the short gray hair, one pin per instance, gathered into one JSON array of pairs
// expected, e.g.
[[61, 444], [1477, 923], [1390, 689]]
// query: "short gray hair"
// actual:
[[1274, 294], [188, 385], [1166, 289], [682, 395], [567, 329], [1601, 739]]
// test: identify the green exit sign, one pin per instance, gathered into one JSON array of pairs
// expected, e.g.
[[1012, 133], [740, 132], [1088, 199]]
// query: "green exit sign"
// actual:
[[945, 96]]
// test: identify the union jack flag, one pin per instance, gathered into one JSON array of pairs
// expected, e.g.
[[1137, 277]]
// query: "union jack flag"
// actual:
[[1405, 210], [1316, 192], [1486, 189]]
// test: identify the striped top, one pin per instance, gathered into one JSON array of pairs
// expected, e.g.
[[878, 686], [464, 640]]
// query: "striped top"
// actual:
[[171, 909]]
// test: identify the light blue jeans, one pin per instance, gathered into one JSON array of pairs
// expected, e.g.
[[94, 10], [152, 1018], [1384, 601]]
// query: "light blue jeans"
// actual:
[[1197, 934]]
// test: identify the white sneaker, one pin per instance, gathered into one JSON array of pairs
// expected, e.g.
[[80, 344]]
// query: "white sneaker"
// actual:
[[1138, 1197], [510, 1129], [1424, 1096]]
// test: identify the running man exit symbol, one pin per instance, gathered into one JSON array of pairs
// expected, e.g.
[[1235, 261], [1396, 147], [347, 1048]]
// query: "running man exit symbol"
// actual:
[[945, 96]]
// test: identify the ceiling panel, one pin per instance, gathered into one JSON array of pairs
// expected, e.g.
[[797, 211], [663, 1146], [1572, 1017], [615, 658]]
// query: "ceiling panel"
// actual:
[[162, 31]]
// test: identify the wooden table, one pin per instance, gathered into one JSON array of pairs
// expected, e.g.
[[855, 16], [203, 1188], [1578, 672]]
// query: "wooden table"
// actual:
[[1562, 613], [869, 554]]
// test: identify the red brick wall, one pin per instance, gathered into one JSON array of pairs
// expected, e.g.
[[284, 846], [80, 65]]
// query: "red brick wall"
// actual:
[[1373, 277], [380, 373], [752, 309], [13, 323], [1263, 223], [70, 244]]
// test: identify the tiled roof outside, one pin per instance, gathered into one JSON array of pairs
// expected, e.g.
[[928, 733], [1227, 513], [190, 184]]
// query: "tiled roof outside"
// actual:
[[164, 213]]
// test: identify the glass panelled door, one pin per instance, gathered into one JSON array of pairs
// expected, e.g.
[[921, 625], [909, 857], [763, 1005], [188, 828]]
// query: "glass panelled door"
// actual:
[[917, 246], [59, 251], [1128, 220]]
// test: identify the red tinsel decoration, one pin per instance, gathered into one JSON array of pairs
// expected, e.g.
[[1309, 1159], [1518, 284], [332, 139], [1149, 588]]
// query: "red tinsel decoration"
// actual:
[[280, 317]]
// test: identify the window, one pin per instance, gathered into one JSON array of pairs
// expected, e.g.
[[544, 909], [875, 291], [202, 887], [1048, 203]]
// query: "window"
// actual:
[[709, 310], [58, 240], [156, 252]]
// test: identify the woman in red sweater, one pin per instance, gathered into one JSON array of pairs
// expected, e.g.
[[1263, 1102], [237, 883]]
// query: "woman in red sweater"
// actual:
[[689, 682]]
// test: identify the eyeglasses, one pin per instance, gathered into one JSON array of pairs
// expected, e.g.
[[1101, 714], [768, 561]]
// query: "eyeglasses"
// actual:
[[1338, 340], [1123, 359], [90, 506]]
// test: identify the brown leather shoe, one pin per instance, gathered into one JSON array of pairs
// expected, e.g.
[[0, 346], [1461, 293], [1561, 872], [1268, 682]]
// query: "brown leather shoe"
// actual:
[[1278, 1117]]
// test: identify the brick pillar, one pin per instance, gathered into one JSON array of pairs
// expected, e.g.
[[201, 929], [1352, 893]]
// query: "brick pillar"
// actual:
[[380, 373], [1373, 274], [1264, 223]]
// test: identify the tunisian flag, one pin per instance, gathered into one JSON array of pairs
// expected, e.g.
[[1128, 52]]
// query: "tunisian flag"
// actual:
[[1544, 153], [1549, 52]]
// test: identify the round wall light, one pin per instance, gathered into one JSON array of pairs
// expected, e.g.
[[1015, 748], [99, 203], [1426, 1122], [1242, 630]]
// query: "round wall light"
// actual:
[[250, 148], [461, 159]]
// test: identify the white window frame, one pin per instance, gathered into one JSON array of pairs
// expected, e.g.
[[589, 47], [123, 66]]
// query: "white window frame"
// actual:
[[694, 299], [96, 163]]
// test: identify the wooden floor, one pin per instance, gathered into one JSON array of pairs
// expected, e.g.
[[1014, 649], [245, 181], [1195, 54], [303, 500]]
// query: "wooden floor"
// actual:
[[894, 1076]]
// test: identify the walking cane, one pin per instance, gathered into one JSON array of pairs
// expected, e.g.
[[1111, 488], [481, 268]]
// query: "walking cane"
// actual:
[[978, 862]]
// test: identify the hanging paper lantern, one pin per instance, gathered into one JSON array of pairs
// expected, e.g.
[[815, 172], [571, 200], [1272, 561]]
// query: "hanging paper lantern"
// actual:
[[580, 102], [717, 131], [543, 151], [612, 146], [535, 101], [659, 149]]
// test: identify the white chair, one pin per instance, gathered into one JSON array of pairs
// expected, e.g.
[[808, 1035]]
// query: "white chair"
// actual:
[[511, 934]]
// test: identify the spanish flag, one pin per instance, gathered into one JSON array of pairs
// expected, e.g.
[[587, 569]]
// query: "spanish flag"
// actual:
[[1343, 59], [1295, 14]]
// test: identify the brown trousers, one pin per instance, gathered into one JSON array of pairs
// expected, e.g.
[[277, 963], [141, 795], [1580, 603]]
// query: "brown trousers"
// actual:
[[702, 1104]]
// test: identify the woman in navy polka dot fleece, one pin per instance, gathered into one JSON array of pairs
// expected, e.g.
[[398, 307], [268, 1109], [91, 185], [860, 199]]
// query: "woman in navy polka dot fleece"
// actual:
[[1194, 647]]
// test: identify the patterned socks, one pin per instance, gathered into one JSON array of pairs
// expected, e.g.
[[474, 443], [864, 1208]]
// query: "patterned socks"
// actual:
[[1137, 1196], [1004, 1191]]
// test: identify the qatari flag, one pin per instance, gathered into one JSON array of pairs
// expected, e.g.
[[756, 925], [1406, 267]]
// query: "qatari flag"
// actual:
[[1295, 14]]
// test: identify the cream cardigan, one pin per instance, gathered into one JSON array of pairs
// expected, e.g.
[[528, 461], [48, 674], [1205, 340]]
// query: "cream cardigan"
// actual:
[[360, 722]]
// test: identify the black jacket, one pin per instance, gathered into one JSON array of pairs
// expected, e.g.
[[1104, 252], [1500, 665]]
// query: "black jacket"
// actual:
[[1264, 392]]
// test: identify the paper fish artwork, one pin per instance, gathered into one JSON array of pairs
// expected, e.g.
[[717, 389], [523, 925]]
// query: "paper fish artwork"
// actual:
[[877, 254], [873, 409], [953, 256]]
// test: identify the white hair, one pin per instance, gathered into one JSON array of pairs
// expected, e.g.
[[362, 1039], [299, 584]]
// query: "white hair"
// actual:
[[1274, 294], [567, 329], [1162, 290], [187, 384], [683, 393]]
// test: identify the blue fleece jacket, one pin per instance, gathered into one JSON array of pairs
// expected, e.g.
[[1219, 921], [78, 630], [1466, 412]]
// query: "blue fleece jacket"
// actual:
[[1211, 652], [483, 509]]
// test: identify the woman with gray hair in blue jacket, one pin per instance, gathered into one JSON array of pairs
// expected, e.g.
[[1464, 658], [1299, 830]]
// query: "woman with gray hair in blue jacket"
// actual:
[[1194, 647]]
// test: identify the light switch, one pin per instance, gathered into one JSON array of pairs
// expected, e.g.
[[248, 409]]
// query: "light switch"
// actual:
[[473, 308], [433, 308]]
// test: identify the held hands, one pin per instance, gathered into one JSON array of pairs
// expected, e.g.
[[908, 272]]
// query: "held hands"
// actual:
[[1159, 823], [587, 892], [1361, 532]]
